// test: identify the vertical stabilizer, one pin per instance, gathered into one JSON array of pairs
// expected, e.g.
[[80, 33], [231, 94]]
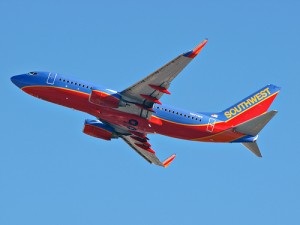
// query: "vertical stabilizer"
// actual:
[[250, 107]]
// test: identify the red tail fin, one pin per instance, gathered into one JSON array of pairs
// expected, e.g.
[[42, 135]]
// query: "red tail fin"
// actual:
[[250, 107]]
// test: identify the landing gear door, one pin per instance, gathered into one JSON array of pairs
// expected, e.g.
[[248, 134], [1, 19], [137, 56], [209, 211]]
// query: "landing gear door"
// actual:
[[51, 78], [211, 125]]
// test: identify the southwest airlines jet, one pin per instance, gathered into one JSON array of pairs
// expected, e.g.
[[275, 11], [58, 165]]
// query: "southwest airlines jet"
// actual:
[[137, 111]]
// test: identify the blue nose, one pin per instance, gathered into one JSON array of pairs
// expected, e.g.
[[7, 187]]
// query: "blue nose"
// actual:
[[18, 80]]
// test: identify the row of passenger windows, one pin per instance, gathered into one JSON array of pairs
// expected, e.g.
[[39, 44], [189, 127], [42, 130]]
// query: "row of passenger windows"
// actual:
[[75, 83], [177, 113], [161, 108]]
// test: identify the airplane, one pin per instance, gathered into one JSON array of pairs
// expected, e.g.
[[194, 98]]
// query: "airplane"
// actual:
[[137, 111]]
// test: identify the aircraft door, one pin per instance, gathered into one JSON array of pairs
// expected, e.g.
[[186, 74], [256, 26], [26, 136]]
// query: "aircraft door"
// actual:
[[51, 78], [211, 125]]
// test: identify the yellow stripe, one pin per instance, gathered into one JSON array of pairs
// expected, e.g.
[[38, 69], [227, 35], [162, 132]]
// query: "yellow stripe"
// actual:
[[217, 134], [197, 139]]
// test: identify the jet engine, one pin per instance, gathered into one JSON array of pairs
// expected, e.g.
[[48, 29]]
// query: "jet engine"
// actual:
[[98, 129], [103, 98]]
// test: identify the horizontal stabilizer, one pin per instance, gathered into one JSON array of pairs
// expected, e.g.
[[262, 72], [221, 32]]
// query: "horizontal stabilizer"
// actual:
[[254, 126], [253, 147]]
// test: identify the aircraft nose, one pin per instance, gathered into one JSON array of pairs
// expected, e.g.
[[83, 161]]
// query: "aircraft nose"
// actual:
[[13, 79], [18, 80]]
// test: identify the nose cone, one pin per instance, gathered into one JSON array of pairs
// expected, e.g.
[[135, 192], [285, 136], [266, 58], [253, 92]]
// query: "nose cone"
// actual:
[[18, 80]]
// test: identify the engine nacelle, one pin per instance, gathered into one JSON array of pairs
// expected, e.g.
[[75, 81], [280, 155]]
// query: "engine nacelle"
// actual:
[[98, 129], [106, 99]]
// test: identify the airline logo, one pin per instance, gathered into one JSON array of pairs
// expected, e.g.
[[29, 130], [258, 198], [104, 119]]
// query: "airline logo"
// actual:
[[251, 101]]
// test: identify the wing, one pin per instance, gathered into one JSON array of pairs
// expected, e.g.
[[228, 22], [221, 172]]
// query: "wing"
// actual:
[[150, 89], [141, 145], [139, 142]]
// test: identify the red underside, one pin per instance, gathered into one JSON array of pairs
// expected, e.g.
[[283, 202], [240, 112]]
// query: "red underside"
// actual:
[[79, 101]]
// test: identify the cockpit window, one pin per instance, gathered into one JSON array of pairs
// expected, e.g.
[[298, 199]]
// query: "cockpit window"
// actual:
[[32, 73]]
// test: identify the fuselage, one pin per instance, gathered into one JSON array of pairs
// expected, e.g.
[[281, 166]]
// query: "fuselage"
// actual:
[[166, 120]]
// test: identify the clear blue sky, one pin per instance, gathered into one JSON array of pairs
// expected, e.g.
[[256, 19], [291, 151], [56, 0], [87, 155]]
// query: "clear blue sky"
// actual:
[[51, 173]]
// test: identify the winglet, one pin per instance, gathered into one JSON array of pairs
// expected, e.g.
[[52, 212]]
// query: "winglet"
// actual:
[[195, 51], [168, 161]]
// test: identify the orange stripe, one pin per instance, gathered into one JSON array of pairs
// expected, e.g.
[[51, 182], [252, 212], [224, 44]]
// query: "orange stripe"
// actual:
[[224, 136]]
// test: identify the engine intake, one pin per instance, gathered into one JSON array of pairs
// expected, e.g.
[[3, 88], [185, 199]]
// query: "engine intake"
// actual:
[[97, 129]]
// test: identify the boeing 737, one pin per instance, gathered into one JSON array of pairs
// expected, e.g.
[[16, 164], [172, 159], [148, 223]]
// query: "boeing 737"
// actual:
[[137, 111]]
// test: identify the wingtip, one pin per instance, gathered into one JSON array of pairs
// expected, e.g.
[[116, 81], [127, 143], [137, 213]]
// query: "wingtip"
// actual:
[[197, 49], [168, 161]]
